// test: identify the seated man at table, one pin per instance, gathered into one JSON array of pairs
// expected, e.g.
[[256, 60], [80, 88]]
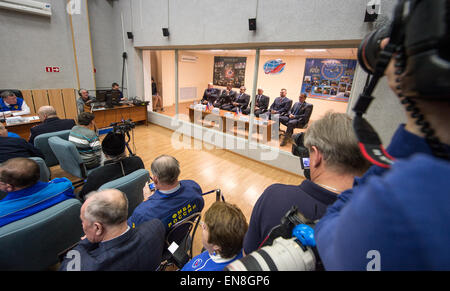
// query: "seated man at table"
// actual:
[[297, 117], [85, 138], [50, 123], [173, 200], [224, 102], [241, 101], [280, 106], [116, 88], [116, 164], [210, 95], [13, 147], [10, 102], [261, 104], [19, 177], [84, 100]]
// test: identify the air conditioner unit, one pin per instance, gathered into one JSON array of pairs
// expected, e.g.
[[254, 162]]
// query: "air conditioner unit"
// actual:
[[27, 6], [189, 59]]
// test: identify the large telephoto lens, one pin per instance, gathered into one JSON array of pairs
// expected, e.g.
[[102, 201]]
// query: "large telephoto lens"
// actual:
[[282, 255]]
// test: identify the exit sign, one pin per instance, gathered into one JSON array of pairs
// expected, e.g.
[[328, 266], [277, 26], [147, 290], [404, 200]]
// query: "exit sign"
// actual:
[[52, 69]]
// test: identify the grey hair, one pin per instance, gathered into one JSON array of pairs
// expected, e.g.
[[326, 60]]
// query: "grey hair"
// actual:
[[166, 169], [334, 137], [47, 110], [7, 94], [104, 207]]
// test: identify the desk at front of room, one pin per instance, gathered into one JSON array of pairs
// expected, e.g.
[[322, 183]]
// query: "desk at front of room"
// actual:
[[23, 128]]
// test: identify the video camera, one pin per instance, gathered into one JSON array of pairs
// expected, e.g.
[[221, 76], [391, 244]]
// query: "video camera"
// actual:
[[419, 44], [299, 150], [289, 246], [123, 127]]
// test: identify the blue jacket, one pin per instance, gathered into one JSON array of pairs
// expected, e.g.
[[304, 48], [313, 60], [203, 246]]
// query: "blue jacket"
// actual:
[[26, 202], [169, 208], [15, 107], [398, 217]]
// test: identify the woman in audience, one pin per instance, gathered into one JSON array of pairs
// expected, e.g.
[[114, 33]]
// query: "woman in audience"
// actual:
[[86, 140], [224, 229]]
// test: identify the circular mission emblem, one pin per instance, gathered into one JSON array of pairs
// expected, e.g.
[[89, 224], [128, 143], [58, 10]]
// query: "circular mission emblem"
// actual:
[[332, 69]]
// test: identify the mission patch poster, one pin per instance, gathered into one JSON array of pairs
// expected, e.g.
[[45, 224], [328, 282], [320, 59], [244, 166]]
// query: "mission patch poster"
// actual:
[[229, 70], [329, 79]]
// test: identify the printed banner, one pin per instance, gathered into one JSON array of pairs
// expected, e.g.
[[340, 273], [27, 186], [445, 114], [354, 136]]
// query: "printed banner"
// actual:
[[229, 70], [329, 79]]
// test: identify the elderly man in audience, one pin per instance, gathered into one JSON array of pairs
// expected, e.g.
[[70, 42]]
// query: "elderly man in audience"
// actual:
[[50, 123], [19, 177], [173, 200], [335, 160], [116, 164], [224, 229], [10, 102], [14, 147], [109, 243]]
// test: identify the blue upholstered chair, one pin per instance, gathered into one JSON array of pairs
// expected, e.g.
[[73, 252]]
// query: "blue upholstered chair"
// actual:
[[69, 158], [41, 143], [132, 185], [44, 171], [34, 242]]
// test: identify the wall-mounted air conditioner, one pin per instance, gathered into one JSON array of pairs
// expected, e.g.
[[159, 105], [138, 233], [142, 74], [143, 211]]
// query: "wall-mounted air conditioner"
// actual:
[[189, 59], [27, 6]]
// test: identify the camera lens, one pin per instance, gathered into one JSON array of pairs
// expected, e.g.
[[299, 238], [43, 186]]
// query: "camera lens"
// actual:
[[369, 49]]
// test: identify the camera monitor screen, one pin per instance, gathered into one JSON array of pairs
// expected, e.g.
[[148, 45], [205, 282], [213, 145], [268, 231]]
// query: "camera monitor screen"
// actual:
[[115, 97], [305, 163], [101, 95]]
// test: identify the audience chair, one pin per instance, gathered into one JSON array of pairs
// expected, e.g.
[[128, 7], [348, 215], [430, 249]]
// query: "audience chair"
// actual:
[[132, 185], [182, 233], [41, 143], [69, 159], [33, 243], [44, 171]]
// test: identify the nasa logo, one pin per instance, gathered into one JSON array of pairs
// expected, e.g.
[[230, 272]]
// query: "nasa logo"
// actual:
[[274, 66]]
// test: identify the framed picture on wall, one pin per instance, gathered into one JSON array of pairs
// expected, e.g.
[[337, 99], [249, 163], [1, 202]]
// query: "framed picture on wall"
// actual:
[[229, 70], [323, 73]]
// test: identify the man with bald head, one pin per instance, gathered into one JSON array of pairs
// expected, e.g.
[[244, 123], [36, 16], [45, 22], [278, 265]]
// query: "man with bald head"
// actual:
[[26, 195], [109, 243], [50, 123]]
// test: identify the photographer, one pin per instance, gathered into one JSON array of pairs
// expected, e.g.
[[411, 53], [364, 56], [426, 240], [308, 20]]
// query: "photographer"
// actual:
[[397, 219], [116, 164], [335, 160]]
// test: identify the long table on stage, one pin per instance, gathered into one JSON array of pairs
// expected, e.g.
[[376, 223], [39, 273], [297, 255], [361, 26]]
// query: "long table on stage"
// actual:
[[104, 117], [224, 121]]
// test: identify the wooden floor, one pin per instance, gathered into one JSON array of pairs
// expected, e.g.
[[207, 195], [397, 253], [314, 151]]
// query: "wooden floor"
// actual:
[[241, 180]]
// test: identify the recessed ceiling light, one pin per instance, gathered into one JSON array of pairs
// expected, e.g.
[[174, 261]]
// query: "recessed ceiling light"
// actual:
[[216, 50], [275, 50]]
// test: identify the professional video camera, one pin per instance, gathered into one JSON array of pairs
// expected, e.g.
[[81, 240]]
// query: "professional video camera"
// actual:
[[124, 127], [419, 42], [299, 150], [290, 246]]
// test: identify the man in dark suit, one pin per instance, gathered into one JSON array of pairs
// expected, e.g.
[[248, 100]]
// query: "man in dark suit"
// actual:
[[261, 104], [210, 95], [109, 243], [241, 101], [281, 105], [50, 123], [13, 147], [297, 117], [224, 102]]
